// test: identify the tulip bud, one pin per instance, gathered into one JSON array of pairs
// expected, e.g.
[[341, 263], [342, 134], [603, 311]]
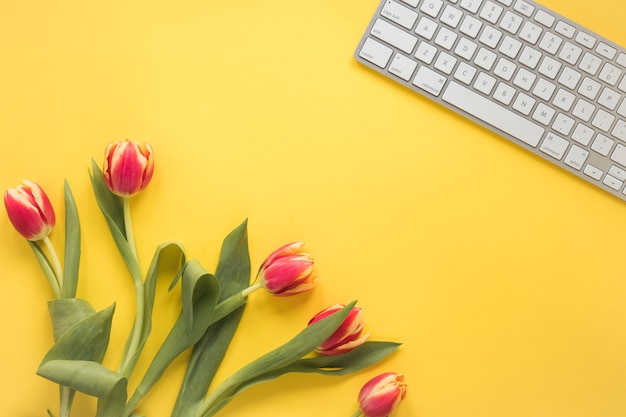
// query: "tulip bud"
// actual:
[[30, 211], [128, 167], [348, 335], [382, 394], [288, 271]]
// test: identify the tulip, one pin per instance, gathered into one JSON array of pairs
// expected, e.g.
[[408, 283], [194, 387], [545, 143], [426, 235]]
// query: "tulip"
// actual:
[[128, 167], [288, 271], [382, 394], [349, 335], [30, 211]]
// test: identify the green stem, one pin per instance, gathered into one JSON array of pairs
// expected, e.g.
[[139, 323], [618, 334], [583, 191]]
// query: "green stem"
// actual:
[[57, 286], [58, 270], [66, 401], [357, 414], [133, 343], [128, 225]]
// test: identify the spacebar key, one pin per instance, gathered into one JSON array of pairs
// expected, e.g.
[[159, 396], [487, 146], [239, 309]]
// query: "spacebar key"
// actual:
[[493, 114]]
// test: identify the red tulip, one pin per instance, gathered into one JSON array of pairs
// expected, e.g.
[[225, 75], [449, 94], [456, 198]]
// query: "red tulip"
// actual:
[[128, 167], [30, 211], [288, 271], [349, 335], [382, 394]]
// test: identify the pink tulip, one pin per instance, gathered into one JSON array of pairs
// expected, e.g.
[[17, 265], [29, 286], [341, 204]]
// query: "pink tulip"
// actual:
[[128, 167], [382, 394], [30, 211], [288, 271], [349, 335]]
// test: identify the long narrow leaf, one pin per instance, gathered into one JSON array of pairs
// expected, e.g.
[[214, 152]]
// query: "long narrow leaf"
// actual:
[[302, 344], [150, 291], [338, 365], [85, 340], [92, 379], [233, 274], [66, 313], [46, 267], [113, 211], [200, 291], [72, 246]]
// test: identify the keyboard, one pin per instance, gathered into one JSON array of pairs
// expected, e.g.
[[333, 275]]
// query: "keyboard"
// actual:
[[516, 67]]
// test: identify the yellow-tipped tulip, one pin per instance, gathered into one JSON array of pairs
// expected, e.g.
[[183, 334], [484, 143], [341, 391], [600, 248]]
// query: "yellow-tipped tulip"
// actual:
[[349, 335], [128, 167], [288, 271], [382, 394], [30, 211]]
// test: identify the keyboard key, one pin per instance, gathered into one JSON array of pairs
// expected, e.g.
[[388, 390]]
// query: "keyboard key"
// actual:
[[530, 57], [431, 7], [554, 146], [399, 14], [499, 117], [606, 50], [426, 52], [470, 5], [504, 93], [594, 172], [402, 66], [609, 98], [511, 22], [565, 29], [602, 144], [610, 74], [394, 36], [576, 157], [429, 81], [530, 32], [510, 47], [524, 8], [570, 53], [544, 18], [375, 52], [550, 43], [465, 73], [426, 28], [524, 103], [617, 172], [451, 16], [612, 182], [619, 131], [619, 155], [585, 39], [491, 12], [583, 134], [590, 63]]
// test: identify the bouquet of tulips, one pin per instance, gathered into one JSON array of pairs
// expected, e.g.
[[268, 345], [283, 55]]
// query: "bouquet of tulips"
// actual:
[[212, 304]]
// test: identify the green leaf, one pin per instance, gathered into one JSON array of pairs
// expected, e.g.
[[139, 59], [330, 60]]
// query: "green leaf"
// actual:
[[163, 250], [200, 291], [72, 246], [67, 312], [113, 210], [86, 340], [233, 274], [302, 344], [46, 267], [344, 364], [92, 379]]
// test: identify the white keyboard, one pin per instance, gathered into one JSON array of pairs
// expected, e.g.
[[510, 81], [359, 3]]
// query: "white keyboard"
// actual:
[[516, 67]]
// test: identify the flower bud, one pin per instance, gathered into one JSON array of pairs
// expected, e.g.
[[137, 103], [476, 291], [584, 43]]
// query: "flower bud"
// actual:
[[382, 394], [128, 167], [30, 211], [288, 271], [348, 335]]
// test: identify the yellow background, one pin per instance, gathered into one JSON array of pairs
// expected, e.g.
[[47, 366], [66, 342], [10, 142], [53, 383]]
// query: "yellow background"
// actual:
[[504, 277]]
